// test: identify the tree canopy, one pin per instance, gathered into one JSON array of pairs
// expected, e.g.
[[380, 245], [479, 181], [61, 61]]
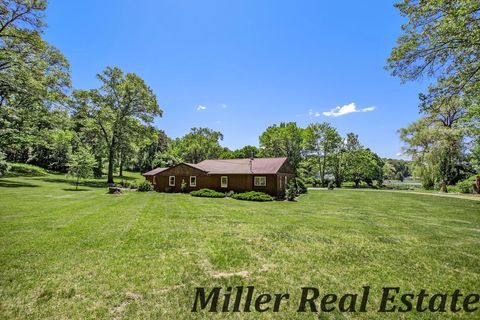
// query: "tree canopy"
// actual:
[[122, 102]]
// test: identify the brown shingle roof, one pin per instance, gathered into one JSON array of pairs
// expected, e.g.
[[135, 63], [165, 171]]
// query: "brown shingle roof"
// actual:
[[154, 171], [242, 166]]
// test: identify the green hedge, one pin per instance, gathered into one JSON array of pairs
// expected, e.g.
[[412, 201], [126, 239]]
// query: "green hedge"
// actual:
[[23, 169], [252, 196], [208, 193], [145, 186], [465, 186]]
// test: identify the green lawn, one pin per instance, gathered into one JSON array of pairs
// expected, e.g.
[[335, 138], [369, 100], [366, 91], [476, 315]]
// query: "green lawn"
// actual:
[[88, 255]]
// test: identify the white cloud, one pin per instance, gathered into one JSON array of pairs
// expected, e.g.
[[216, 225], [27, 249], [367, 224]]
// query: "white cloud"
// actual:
[[201, 108], [223, 106], [368, 109], [399, 154], [313, 114], [346, 109]]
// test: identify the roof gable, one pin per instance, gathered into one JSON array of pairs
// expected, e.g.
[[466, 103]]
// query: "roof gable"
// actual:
[[183, 169], [154, 171]]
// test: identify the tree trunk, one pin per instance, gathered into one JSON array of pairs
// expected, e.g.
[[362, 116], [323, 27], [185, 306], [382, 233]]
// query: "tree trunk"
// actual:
[[111, 153], [443, 187], [324, 168], [121, 165]]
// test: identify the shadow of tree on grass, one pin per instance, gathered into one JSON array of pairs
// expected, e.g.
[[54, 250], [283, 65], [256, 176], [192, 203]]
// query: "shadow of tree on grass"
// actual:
[[88, 183], [15, 184]]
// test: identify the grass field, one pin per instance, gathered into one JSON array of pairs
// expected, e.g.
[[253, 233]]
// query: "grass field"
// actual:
[[89, 255]]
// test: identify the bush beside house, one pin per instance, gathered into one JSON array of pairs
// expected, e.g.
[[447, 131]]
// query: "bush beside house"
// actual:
[[207, 193], [252, 196]]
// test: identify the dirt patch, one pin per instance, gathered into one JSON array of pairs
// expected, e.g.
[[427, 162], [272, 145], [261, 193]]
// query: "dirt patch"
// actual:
[[119, 310], [243, 274]]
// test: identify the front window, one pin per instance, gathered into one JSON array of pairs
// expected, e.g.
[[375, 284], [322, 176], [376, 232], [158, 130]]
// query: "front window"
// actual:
[[260, 181], [224, 182], [193, 181], [171, 181]]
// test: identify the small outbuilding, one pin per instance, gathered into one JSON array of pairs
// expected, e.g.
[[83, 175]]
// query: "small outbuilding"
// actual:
[[269, 175]]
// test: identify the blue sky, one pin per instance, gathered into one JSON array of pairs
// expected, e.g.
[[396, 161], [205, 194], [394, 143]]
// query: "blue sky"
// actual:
[[240, 66]]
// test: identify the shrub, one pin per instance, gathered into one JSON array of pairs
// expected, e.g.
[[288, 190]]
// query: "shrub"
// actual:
[[300, 186], [183, 185], [133, 186], [428, 183], [23, 169], [465, 186], [252, 196], [331, 185], [145, 186], [291, 191], [125, 184], [316, 182], [230, 193], [208, 193]]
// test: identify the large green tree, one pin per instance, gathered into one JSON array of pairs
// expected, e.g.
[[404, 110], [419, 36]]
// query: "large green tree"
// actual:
[[364, 165], [242, 153], [284, 140], [198, 145], [436, 144], [321, 141], [122, 99], [440, 40], [31, 70]]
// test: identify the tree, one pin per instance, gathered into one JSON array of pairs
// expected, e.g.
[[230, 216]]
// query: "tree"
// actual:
[[471, 122], [166, 159], [31, 70], [436, 144], [284, 140], [320, 141], [389, 171], [198, 145], [242, 153], [440, 39], [4, 167], [366, 166], [81, 164], [121, 98]]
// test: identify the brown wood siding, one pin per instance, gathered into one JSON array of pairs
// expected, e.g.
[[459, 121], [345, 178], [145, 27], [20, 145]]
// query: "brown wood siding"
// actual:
[[236, 183], [275, 186]]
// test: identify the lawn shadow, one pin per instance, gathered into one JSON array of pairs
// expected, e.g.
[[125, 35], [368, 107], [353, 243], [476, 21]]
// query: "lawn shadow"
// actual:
[[89, 183], [75, 190], [16, 184]]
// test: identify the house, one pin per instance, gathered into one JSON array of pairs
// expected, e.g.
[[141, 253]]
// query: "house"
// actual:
[[269, 175]]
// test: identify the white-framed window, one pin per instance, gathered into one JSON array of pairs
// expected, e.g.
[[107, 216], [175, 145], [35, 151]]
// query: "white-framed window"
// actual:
[[171, 181], [193, 181], [154, 180], [224, 181], [260, 181]]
